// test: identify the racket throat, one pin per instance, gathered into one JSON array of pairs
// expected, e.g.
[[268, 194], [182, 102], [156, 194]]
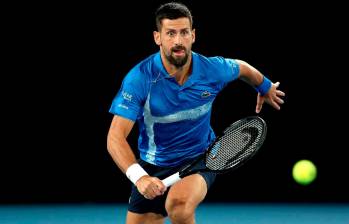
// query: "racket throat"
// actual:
[[171, 179]]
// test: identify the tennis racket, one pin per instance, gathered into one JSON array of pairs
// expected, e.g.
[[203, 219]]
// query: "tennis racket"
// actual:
[[238, 143]]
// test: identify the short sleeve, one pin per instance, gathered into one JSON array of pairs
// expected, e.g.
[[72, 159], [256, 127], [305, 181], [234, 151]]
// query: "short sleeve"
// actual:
[[226, 69], [234, 67], [129, 101]]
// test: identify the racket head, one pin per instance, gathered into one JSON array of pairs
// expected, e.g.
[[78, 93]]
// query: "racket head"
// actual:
[[238, 143]]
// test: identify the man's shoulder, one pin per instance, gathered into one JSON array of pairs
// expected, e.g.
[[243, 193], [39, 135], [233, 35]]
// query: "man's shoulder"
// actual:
[[146, 64], [143, 69], [209, 60], [217, 65], [210, 64]]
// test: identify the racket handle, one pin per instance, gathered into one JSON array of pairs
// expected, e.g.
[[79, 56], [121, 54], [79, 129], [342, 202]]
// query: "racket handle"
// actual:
[[168, 181]]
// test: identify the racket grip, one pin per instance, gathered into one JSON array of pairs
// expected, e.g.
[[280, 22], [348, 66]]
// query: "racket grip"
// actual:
[[168, 181]]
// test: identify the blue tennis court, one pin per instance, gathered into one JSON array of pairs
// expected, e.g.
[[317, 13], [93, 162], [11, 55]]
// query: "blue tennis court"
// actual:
[[242, 213]]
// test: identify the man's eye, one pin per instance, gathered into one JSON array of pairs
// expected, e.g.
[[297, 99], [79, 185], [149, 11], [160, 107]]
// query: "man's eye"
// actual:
[[171, 33]]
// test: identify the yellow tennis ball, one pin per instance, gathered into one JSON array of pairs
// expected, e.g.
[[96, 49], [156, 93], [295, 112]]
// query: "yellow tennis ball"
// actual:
[[304, 172]]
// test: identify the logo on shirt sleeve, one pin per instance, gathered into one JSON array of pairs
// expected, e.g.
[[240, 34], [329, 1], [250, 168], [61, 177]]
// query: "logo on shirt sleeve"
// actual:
[[127, 96], [123, 106]]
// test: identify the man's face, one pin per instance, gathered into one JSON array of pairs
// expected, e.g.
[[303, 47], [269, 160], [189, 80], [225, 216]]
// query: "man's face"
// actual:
[[175, 40]]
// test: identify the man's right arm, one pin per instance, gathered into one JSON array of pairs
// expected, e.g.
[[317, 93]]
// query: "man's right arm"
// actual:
[[117, 145], [123, 156]]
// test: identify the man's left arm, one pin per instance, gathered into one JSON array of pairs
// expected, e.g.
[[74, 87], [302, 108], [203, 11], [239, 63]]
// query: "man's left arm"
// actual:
[[267, 90]]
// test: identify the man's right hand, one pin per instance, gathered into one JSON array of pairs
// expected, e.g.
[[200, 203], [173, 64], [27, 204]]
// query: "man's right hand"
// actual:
[[150, 187]]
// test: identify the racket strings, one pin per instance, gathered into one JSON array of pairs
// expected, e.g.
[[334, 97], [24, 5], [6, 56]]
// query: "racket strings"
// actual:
[[238, 143]]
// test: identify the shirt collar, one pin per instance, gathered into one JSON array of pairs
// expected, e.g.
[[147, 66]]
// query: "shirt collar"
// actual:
[[161, 69]]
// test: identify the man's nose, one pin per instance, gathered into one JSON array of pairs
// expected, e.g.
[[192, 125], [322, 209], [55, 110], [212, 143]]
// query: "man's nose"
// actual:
[[178, 39]]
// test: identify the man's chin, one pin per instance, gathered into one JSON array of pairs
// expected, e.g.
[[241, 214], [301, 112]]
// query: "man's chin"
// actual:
[[178, 60], [179, 63]]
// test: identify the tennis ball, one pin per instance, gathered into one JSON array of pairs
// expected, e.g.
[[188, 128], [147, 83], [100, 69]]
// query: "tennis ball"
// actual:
[[304, 172]]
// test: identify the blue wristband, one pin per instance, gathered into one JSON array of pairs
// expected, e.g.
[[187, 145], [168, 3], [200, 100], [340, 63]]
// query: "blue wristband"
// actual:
[[264, 87]]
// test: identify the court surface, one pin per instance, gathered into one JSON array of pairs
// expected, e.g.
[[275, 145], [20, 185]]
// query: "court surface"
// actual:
[[217, 213]]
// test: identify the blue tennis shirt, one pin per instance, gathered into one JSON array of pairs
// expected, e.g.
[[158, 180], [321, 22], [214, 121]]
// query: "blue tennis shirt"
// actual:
[[173, 120]]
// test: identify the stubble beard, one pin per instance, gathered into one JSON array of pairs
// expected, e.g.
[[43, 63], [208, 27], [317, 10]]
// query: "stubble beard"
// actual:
[[178, 62]]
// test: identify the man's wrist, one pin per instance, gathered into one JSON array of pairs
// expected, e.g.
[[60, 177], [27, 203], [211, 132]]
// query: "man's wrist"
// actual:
[[135, 172], [264, 87]]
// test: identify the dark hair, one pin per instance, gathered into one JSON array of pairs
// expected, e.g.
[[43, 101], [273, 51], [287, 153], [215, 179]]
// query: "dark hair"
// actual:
[[172, 10]]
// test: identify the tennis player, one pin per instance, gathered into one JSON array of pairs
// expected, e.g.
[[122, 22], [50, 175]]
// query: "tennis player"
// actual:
[[170, 95]]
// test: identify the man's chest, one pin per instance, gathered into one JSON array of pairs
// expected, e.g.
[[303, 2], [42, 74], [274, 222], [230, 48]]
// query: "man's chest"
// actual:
[[169, 98]]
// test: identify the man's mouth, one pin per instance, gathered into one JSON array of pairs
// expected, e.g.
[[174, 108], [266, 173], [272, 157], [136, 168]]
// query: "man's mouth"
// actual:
[[178, 52]]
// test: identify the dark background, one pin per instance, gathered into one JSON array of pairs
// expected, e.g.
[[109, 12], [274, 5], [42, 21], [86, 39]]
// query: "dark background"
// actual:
[[65, 64]]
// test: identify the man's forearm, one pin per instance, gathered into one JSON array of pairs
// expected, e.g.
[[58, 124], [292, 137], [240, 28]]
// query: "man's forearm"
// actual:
[[250, 74], [121, 152], [254, 78]]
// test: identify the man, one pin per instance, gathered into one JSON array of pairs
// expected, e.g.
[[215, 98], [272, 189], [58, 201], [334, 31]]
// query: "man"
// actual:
[[170, 95]]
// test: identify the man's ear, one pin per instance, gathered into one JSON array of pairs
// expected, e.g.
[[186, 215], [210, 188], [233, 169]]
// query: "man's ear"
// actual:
[[157, 37], [193, 35]]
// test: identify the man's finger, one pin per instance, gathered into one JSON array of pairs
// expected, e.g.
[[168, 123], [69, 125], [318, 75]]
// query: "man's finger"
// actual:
[[280, 93], [279, 100], [259, 103]]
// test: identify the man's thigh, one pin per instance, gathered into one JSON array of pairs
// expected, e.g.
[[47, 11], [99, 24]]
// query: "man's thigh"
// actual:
[[191, 189]]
